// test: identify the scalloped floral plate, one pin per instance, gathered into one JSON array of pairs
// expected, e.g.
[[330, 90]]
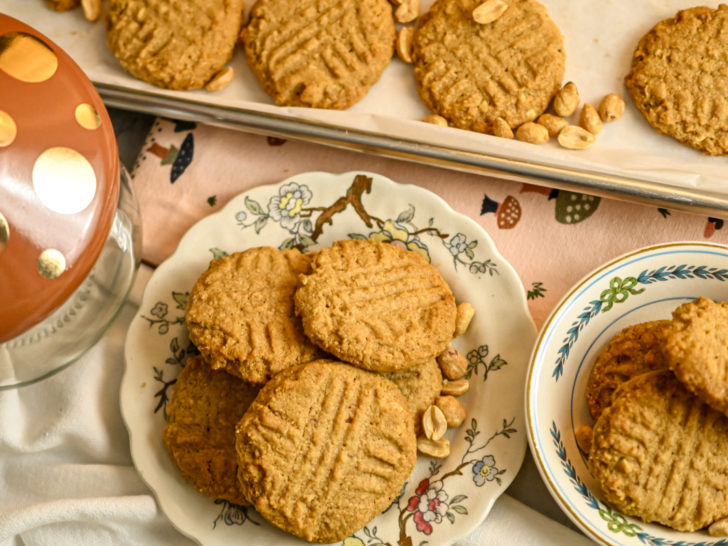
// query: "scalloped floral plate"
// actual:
[[643, 285], [443, 499]]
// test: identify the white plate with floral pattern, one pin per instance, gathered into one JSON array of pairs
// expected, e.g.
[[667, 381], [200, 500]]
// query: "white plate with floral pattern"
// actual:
[[443, 499], [640, 286]]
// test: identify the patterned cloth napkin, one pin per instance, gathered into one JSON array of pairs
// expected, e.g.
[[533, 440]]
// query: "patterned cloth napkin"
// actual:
[[552, 238]]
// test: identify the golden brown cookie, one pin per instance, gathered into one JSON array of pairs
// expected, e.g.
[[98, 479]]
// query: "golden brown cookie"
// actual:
[[472, 74], [200, 433], [634, 350], [660, 453], [173, 44], [697, 349], [322, 54], [421, 385], [376, 305], [240, 313], [679, 75], [324, 449]]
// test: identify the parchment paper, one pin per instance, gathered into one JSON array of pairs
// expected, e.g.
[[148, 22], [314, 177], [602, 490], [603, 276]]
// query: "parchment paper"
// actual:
[[600, 37]]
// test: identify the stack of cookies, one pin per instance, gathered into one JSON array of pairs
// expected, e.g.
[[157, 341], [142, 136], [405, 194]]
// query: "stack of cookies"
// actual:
[[316, 375], [659, 395]]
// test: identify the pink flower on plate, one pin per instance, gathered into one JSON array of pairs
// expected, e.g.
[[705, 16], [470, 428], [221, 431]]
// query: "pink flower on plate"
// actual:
[[428, 505]]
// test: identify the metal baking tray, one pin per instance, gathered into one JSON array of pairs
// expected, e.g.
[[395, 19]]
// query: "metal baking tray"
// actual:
[[628, 161]]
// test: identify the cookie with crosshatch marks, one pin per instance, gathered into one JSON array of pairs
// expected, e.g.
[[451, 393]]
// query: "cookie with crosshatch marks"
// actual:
[[697, 349], [376, 305], [472, 74], [240, 313], [421, 385], [679, 75], [323, 54], [659, 452], [202, 412], [173, 44], [636, 349], [324, 448]]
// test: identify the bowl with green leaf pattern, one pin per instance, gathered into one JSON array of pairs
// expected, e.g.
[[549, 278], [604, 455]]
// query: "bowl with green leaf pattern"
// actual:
[[643, 285]]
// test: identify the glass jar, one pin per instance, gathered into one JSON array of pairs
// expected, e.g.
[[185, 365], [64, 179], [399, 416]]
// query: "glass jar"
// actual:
[[70, 229]]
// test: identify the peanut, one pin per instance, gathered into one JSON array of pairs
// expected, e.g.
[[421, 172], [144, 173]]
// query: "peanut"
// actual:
[[404, 44], [434, 448], [452, 363], [553, 124], [584, 437], [574, 137], [532, 132], [457, 387], [91, 9], [436, 120], [464, 315], [489, 11], [501, 128], [220, 80], [434, 423], [590, 120], [566, 100], [719, 528], [452, 409], [407, 11], [611, 108]]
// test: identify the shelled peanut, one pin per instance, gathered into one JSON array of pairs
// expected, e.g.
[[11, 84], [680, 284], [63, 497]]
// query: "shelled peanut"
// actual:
[[447, 411], [574, 135]]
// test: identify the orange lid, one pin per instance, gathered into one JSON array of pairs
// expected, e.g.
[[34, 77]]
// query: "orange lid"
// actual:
[[59, 177]]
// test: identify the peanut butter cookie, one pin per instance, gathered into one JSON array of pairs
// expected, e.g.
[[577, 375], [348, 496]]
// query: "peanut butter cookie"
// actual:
[[324, 449], [322, 54], [240, 313], [661, 453], [636, 349], [697, 350], [175, 44], [474, 73], [376, 305], [200, 433], [421, 385], [679, 75]]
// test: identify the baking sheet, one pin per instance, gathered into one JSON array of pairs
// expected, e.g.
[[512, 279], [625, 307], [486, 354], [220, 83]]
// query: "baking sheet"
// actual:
[[629, 156]]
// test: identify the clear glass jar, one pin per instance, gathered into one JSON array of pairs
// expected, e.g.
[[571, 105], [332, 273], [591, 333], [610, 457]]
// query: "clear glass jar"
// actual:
[[75, 326]]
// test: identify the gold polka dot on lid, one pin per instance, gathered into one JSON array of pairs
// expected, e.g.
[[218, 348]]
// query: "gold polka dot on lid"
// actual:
[[87, 116], [8, 129], [51, 263], [26, 58], [4, 232], [64, 180]]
